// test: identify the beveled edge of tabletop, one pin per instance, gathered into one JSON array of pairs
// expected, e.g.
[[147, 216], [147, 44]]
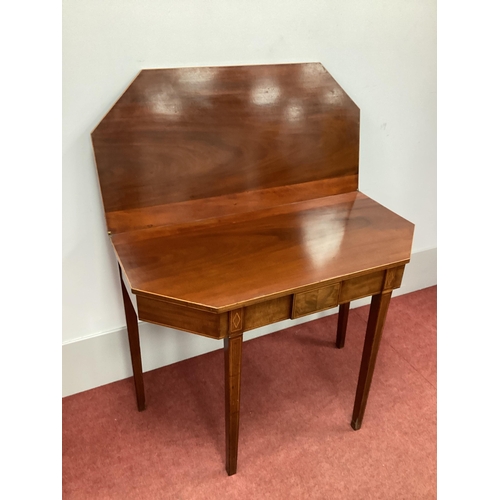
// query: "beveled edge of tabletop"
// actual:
[[266, 297]]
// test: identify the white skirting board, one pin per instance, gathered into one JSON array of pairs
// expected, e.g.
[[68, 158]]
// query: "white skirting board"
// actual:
[[103, 358]]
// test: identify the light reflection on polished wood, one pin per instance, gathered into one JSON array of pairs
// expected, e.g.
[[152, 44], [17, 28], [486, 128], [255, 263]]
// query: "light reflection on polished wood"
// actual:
[[313, 241], [193, 133], [231, 197], [222, 206]]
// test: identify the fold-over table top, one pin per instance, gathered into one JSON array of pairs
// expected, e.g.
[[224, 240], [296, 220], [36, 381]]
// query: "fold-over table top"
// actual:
[[225, 186], [186, 134]]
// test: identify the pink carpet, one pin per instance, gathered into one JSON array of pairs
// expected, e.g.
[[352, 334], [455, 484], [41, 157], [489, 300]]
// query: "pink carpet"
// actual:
[[295, 435]]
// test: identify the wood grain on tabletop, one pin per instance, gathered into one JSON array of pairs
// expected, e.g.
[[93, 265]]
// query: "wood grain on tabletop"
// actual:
[[185, 134], [239, 258]]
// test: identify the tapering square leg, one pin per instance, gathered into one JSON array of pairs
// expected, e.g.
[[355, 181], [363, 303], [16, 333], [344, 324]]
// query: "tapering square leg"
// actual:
[[376, 320], [135, 346], [342, 324], [232, 362]]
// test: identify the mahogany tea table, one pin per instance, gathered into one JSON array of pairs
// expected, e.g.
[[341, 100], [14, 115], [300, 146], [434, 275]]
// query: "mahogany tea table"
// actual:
[[231, 201]]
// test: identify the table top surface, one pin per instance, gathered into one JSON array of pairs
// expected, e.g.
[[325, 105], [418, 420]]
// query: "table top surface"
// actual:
[[223, 262], [227, 186], [186, 134]]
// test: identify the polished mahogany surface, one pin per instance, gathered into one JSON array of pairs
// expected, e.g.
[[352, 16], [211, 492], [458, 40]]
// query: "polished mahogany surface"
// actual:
[[191, 133], [220, 206], [220, 263]]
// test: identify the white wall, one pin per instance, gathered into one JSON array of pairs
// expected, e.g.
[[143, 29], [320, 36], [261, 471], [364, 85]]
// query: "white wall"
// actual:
[[382, 53]]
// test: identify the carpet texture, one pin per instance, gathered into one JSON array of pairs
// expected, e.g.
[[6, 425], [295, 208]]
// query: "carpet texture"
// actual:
[[295, 435]]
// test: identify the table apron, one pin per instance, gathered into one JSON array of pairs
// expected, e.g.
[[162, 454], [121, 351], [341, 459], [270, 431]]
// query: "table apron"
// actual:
[[295, 305]]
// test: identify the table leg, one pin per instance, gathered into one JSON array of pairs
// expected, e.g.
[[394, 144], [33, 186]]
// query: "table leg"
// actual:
[[342, 324], [376, 320], [135, 346], [232, 361]]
